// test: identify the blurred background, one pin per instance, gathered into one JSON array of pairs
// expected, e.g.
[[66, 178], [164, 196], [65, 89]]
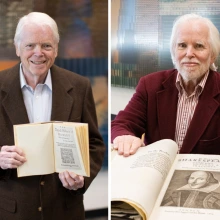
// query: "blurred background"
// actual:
[[140, 35], [83, 48]]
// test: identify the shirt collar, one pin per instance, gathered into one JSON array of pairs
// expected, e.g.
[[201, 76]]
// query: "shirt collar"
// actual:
[[23, 81], [199, 88]]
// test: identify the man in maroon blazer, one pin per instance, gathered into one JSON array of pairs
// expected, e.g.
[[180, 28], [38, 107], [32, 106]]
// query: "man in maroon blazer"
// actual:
[[34, 91], [181, 104]]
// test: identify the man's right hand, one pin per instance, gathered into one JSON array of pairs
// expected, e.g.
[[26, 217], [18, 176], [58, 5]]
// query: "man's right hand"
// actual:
[[127, 144], [11, 157]]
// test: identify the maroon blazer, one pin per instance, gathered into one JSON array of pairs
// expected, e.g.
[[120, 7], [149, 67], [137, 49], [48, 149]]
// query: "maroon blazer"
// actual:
[[152, 110], [44, 197]]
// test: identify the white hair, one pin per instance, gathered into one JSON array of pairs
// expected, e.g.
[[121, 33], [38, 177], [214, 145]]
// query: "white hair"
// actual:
[[36, 18], [213, 40]]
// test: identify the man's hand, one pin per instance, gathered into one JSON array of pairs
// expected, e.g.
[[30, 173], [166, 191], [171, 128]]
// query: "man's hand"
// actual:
[[71, 181], [11, 157], [127, 144]]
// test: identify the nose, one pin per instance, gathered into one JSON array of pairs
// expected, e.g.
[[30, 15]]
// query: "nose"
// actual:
[[190, 52], [195, 181], [38, 50]]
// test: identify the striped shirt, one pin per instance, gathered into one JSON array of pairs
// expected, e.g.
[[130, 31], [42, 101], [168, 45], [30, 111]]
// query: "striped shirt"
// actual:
[[186, 107]]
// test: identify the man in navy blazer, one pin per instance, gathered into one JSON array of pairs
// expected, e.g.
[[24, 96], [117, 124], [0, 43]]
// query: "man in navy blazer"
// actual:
[[181, 104]]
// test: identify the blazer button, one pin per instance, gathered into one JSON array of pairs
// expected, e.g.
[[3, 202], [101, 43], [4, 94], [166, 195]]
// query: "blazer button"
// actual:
[[39, 209], [42, 183]]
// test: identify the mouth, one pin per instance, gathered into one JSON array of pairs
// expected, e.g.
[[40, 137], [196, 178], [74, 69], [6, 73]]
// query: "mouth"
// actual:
[[38, 62], [193, 185], [189, 63]]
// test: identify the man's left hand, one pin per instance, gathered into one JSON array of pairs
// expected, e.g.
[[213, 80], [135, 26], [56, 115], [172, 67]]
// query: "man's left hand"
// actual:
[[71, 180]]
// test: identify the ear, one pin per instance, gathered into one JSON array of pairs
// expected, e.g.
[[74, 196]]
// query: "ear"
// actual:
[[17, 50], [213, 58], [56, 51]]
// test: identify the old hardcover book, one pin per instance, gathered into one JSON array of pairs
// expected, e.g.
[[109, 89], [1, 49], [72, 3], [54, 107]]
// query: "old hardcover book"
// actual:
[[53, 147], [156, 183]]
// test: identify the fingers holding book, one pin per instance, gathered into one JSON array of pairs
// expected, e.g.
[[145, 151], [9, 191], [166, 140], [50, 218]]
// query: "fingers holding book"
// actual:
[[11, 157], [127, 144], [71, 180]]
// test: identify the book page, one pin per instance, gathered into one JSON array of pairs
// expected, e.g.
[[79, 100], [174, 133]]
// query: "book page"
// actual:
[[37, 143], [139, 177], [83, 140], [192, 189], [66, 149]]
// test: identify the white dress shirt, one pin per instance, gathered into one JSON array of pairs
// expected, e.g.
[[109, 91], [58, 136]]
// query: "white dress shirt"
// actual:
[[38, 102]]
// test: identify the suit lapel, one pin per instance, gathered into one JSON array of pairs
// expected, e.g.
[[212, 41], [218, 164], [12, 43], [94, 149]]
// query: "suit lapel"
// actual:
[[62, 102], [12, 100], [204, 111], [167, 108]]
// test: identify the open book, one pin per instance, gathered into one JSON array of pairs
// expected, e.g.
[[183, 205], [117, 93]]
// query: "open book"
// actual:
[[53, 147], [156, 183]]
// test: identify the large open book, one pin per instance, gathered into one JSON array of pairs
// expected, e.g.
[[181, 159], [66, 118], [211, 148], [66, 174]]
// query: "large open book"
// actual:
[[156, 183], [53, 147]]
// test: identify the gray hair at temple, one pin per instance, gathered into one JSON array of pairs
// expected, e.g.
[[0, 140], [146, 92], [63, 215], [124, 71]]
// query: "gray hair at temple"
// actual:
[[36, 18], [214, 39]]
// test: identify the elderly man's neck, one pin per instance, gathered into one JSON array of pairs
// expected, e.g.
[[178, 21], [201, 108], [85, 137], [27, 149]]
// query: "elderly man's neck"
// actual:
[[34, 80]]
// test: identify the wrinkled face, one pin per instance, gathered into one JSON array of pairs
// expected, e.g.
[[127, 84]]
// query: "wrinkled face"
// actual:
[[37, 50], [198, 180], [193, 54]]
